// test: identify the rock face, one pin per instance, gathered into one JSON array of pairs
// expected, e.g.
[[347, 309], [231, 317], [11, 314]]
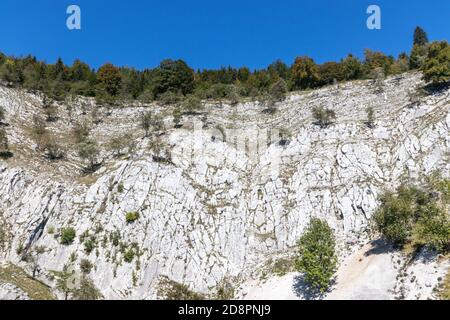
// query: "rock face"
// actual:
[[11, 292], [232, 193]]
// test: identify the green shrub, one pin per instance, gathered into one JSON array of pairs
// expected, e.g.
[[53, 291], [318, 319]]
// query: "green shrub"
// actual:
[[128, 256], [416, 216], [86, 290], [67, 236], [436, 68], [317, 257], [2, 114], [171, 290], [86, 266], [115, 238], [370, 122], [132, 216], [323, 117], [89, 245]]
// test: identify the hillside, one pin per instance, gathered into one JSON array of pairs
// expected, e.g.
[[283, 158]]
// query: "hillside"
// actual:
[[210, 208]]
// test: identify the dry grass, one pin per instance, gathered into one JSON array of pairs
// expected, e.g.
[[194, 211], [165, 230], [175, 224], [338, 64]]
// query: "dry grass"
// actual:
[[35, 289], [444, 290]]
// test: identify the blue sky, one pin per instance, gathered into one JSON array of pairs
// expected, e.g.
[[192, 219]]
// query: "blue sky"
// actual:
[[214, 33]]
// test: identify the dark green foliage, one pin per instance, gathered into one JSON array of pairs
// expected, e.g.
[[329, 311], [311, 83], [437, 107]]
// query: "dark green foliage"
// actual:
[[174, 76], [351, 68], [89, 245], [420, 37], [436, 68], [174, 79], [317, 258], [331, 72], [67, 236], [416, 215], [128, 256], [418, 57], [115, 238]]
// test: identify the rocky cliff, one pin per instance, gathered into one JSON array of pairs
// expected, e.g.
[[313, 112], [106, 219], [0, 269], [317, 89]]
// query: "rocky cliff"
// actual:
[[228, 191]]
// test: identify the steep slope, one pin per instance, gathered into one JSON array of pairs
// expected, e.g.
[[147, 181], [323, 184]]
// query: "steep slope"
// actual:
[[220, 208]]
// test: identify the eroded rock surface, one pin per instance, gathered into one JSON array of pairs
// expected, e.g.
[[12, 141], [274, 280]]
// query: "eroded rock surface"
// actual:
[[215, 210]]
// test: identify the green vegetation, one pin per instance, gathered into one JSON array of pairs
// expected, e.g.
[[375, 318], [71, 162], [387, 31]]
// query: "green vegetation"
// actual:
[[415, 216], [128, 256], [67, 236], [172, 290], [120, 143], [4, 145], [89, 245], [88, 151], [173, 80], [436, 68], [86, 266], [370, 121], [317, 258], [420, 37], [323, 117], [86, 290], [225, 290], [2, 114], [132, 216]]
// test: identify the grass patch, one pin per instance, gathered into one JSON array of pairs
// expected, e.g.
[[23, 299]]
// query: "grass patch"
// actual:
[[35, 289], [444, 288]]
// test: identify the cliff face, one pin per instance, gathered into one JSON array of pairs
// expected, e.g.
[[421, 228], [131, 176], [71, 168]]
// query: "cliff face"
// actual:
[[217, 207]]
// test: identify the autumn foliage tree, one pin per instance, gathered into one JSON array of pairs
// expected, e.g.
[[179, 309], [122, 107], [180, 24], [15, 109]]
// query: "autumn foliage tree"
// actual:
[[305, 73], [109, 79]]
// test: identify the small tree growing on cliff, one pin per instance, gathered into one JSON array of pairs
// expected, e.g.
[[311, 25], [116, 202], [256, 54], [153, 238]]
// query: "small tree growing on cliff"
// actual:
[[65, 281], [146, 122], [4, 145], [370, 121], [2, 115], [316, 255], [324, 117], [88, 150]]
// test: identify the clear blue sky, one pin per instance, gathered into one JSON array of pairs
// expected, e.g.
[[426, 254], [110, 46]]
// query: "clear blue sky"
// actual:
[[214, 33]]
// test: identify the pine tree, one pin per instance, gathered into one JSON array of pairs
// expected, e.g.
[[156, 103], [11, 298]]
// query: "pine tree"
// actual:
[[436, 68], [420, 37]]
